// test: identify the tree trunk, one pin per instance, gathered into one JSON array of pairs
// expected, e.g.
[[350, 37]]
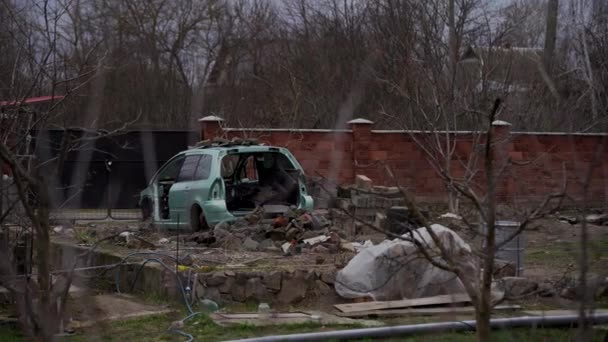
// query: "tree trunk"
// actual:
[[583, 290], [43, 255], [482, 319], [483, 308], [550, 34]]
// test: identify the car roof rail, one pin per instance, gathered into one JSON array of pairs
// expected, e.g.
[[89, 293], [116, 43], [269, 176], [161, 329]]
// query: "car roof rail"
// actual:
[[221, 142]]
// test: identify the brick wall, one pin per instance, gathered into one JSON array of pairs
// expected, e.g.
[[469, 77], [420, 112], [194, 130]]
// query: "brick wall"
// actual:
[[543, 160]]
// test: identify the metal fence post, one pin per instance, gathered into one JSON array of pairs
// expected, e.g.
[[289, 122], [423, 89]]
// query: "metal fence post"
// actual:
[[109, 189]]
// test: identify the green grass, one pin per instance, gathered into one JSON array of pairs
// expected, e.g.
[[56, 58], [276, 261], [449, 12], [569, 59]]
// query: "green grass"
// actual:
[[9, 334], [203, 329], [561, 254], [154, 328]]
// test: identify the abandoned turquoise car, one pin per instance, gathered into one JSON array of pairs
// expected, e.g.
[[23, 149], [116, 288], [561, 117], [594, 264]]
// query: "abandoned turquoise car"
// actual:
[[203, 186]]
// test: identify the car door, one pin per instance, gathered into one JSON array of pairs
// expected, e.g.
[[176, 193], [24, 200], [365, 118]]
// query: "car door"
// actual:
[[162, 184], [179, 194], [202, 184]]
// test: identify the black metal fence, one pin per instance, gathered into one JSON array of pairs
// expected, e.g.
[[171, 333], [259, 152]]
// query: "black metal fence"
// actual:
[[102, 177]]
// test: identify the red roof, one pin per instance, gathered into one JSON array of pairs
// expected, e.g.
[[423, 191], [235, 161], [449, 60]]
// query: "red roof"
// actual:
[[32, 100]]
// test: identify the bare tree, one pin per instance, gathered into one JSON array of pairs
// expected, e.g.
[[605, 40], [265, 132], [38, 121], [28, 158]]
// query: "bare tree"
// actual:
[[35, 29]]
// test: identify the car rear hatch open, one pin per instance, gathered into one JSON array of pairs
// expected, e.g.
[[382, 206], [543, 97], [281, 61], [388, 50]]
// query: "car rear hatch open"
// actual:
[[256, 179]]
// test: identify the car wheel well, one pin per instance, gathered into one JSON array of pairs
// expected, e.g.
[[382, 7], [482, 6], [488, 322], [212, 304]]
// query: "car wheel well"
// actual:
[[146, 208], [197, 218]]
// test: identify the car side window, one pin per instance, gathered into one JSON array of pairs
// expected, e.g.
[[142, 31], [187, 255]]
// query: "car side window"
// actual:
[[204, 168], [171, 169], [187, 171]]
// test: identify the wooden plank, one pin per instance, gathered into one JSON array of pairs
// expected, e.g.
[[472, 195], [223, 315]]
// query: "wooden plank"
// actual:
[[255, 315], [422, 311], [253, 318], [404, 303]]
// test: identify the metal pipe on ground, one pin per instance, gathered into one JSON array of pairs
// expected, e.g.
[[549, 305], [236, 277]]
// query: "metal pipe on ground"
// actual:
[[402, 330]]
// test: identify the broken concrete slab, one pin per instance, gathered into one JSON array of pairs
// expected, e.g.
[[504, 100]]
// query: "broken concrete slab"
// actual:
[[518, 286], [316, 240], [267, 243], [599, 219], [363, 182], [503, 268], [250, 244]]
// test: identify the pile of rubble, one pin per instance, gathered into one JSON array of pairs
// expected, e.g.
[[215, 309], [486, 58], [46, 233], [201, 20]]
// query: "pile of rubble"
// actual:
[[289, 233]]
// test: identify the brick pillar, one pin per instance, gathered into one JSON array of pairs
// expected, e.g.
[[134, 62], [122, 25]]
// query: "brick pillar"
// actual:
[[502, 146], [211, 127], [362, 136]]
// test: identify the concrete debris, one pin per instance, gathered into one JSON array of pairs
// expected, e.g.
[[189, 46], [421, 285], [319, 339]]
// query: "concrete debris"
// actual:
[[363, 182], [265, 244], [569, 219], [348, 246], [250, 244], [133, 243], [186, 260], [518, 286], [504, 268], [124, 235], [568, 293], [400, 220], [450, 215], [598, 219], [288, 248], [597, 286], [295, 229], [328, 277], [359, 246], [206, 238], [546, 289], [320, 249], [316, 240]]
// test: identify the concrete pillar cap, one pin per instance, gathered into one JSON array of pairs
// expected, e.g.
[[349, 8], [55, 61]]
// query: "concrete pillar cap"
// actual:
[[500, 123], [360, 121], [211, 118]]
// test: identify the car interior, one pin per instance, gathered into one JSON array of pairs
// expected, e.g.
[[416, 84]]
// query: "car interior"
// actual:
[[166, 179], [257, 179]]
